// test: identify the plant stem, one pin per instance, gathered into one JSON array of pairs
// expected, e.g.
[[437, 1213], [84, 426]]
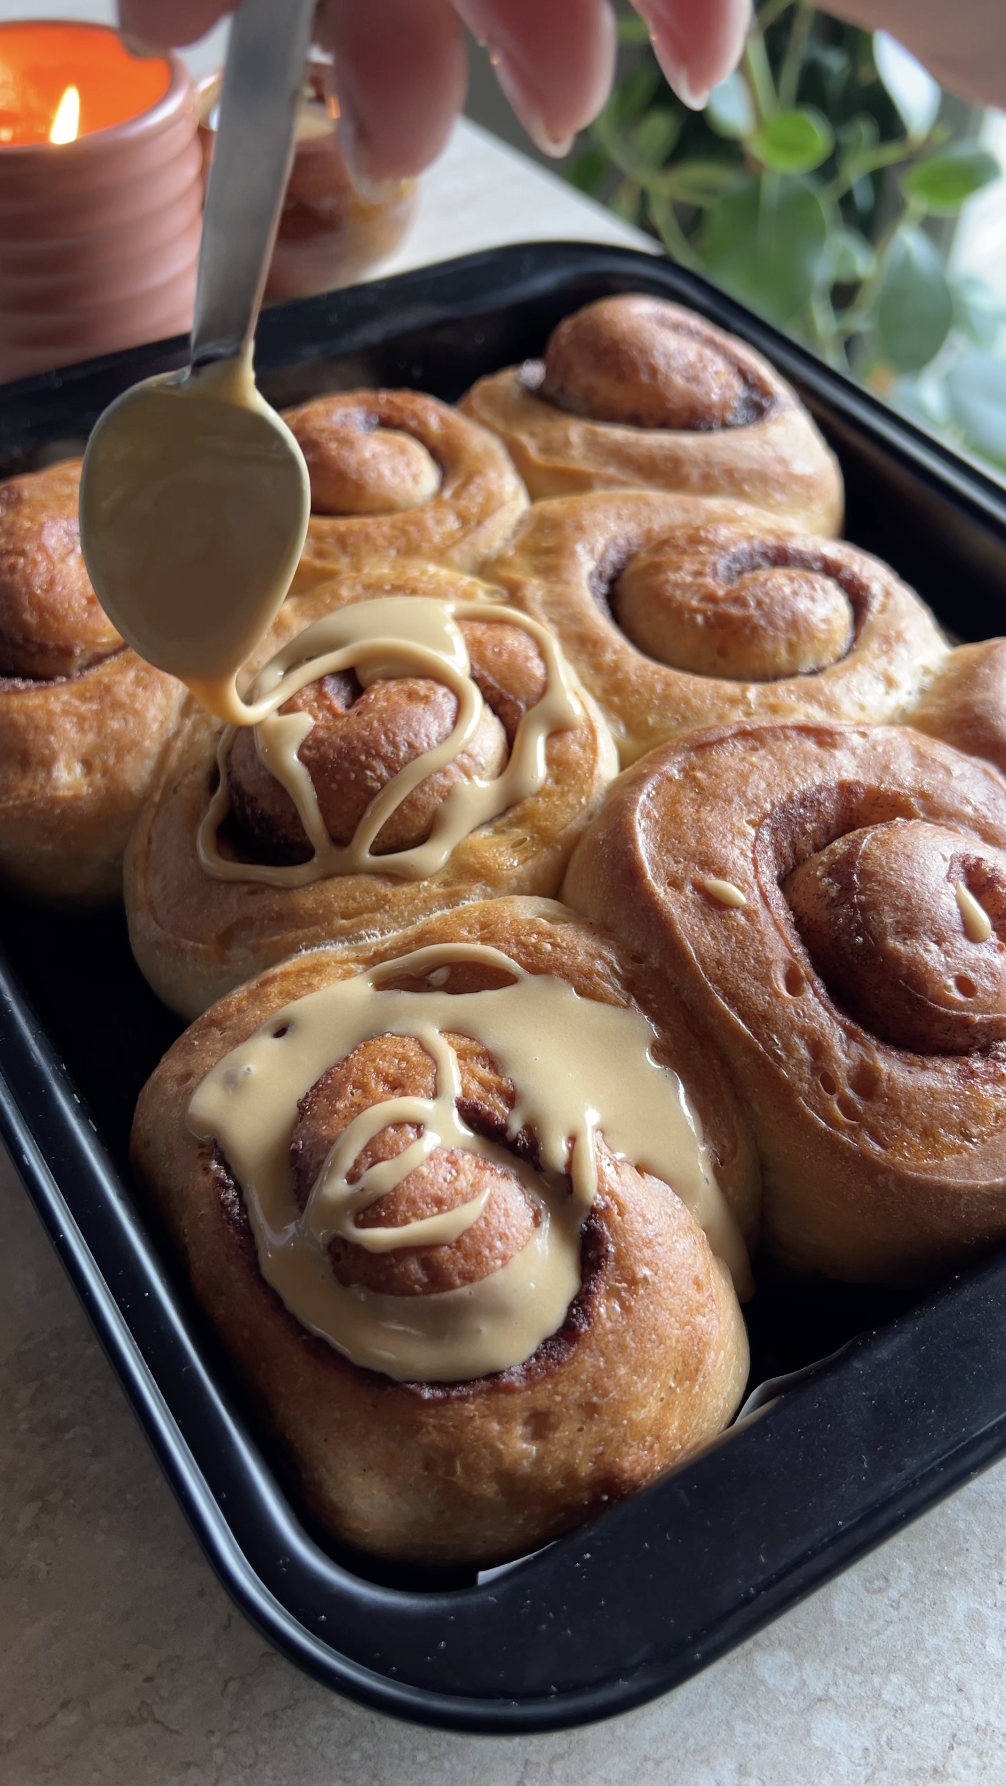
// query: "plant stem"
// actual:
[[885, 155], [672, 235], [759, 74], [796, 49], [770, 13]]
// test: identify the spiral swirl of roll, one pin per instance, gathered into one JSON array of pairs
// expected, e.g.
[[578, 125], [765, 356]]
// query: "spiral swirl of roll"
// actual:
[[678, 613], [830, 903], [650, 1359], [397, 474], [634, 392], [195, 936], [83, 720]]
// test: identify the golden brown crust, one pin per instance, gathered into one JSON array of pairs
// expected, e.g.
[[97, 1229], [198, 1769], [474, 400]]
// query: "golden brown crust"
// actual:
[[879, 1164], [965, 704], [468, 511], [649, 1366], [83, 721], [50, 620], [715, 581], [195, 937], [636, 393]]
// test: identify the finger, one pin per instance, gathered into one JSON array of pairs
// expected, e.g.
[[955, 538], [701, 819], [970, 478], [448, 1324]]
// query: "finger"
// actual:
[[400, 78], [963, 47], [554, 60], [169, 23], [697, 42]]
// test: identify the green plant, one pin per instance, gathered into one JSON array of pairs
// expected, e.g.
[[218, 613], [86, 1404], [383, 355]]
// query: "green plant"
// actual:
[[806, 189]]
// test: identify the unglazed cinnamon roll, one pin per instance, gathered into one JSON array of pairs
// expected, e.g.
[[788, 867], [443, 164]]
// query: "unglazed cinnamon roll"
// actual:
[[425, 746], [83, 720], [637, 393], [830, 904], [965, 703], [398, 474], [678, 613], [464, 1210]]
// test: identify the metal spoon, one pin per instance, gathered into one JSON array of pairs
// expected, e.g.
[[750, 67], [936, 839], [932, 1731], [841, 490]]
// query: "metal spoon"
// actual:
[[194, 496]]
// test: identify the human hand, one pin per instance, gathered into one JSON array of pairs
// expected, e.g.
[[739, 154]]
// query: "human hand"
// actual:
[[401, 70]]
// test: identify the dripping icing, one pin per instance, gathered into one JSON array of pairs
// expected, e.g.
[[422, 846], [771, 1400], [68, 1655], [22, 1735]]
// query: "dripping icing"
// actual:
[[381, 639], [581, 1069]]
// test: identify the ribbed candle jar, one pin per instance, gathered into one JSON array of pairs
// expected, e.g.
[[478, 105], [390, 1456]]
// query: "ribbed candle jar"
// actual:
[[99, 236]]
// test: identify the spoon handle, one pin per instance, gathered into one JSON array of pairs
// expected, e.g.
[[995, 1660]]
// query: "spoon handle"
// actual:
[[251, 162]]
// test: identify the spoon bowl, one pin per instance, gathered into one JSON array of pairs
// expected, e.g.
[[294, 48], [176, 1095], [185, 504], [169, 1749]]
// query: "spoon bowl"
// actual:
[[194, 503]]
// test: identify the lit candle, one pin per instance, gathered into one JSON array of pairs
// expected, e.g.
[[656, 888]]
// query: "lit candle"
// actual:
[[100, 196], [42, 63]]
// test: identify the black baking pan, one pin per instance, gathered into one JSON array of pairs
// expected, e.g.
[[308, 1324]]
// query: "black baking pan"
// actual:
[[911, 1400]]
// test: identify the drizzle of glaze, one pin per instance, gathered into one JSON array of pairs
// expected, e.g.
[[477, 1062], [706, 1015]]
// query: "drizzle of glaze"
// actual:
[[580, 1069], [724, 892], [387, 637], [977, 923]]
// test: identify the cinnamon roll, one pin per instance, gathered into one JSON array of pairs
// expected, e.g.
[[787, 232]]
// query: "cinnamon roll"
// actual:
[[636, 393], [425, 745], [830, 904], [678, 613], [396, 474], [464, 1210], [965, 703], [83, 720]]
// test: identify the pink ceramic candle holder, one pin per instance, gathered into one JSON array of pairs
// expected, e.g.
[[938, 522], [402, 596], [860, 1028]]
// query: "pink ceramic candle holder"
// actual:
[[99, 235], [328, 235]]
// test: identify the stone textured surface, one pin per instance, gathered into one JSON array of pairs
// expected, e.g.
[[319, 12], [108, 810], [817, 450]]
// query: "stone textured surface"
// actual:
[[124, 1664]]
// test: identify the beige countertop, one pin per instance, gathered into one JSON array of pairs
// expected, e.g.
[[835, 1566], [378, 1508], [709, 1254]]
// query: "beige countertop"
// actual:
[[125, 1664]]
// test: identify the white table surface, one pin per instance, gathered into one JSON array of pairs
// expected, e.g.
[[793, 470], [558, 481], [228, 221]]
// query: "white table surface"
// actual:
[[124, 1663]]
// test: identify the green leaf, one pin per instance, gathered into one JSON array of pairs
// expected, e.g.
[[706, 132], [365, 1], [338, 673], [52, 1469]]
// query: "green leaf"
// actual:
[[979, 312], [655, 136], [915, 94], [851, 256], [730, 111], [944, 181], [977, 386], [794, 142], [589, 171], [914, 307], [770, 252], [700, 183]]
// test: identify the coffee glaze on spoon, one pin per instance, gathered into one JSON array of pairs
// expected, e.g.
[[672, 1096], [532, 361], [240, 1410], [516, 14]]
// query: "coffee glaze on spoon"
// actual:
[[195, 497]]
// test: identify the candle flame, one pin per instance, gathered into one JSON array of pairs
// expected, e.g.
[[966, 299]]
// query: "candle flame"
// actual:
[[66, 123]]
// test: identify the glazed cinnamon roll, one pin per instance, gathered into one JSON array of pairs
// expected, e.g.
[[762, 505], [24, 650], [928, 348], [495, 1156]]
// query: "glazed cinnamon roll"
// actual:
[[830, 904], [83, 720], [424, 746], [464, 1210], [678, 613], [396, 474], [636, 393]]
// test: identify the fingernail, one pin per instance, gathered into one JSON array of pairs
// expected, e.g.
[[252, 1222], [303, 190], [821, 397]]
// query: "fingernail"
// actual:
[[372, 192], [676, 74], [526, 109], [675, 71]]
